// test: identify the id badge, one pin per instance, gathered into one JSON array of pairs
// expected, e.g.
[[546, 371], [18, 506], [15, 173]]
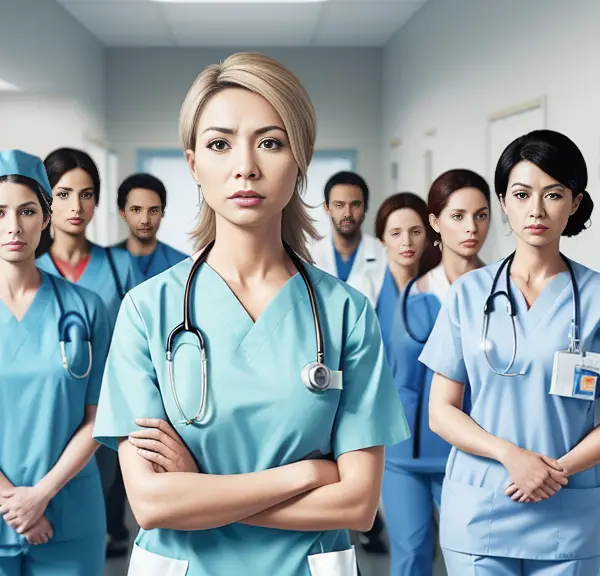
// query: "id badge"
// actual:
[[575, 376]]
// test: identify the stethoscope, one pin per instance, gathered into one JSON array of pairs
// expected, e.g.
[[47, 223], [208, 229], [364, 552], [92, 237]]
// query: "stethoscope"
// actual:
[[574, 340], [404, 311], [66, 320], [315, 375]]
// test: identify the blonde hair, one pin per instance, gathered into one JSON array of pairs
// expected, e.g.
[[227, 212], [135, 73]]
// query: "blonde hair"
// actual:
[[278, 86]]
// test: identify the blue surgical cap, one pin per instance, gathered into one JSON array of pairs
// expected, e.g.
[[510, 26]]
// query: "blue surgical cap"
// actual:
[[18, 163]]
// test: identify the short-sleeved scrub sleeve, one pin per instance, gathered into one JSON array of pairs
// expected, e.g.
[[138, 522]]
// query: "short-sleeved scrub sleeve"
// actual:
[[443, 352], [129, 387], [370, 412]]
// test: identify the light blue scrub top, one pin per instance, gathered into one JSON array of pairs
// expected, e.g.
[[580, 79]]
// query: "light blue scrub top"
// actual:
[[476, 516], [42, 406], [163, 257], [386, 308], [260, 413], [99, 278]]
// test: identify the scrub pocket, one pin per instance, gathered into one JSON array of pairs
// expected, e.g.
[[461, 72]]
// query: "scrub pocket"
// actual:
[[341, 563], [144, 563]]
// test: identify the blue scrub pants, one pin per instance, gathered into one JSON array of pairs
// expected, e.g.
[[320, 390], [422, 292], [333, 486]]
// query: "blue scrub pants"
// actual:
[[458, 564], [84, 557], [107, 460], [409, 499]]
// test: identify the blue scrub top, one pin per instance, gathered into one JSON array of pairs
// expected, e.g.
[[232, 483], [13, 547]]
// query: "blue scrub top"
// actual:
[[344, 267], [477, 517], [386, 308], [42, 406], [99, 278], [260, 414], [161, 259]]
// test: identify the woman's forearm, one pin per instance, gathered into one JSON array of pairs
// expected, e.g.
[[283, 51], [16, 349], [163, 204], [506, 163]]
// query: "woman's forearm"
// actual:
[[460, 430], [5, 484], [74, 458], [585, 455], [195, 501]]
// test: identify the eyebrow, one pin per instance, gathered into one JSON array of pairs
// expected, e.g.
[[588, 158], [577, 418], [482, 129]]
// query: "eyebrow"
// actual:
[[409, 227], [549, 187], [25, 205], [65, 189], [462, 211], [138, 206], [257, 132]]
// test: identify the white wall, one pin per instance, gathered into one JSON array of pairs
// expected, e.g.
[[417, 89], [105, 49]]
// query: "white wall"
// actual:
[[147, 86], [45, 51], [457, 62]]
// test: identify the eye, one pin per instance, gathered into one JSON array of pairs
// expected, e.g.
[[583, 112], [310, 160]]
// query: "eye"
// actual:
[[520, 195], [482, 216], [28, 212], [63, 195], [87, 195], [416, 232], [457, 216], [218, 145], [553, 196], [274, 144]]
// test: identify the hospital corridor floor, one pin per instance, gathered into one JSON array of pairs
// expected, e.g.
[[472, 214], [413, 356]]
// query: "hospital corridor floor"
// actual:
[[370, 564]]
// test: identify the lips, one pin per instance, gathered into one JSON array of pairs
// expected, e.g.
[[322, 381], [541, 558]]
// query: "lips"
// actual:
[[16, 244], [75, 220], [246, 194], [537, 227], [407, 253], [470, 243]]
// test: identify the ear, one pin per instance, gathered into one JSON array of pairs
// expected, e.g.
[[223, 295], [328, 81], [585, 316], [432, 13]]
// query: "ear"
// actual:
[[46, 222], [190, 157], [433, 222], [122, 214], [503, 204], [576, 203], [325, 207]]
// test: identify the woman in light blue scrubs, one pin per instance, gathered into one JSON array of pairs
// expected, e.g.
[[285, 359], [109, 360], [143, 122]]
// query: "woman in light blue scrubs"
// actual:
[[109, 272], [521, 494], [278, 473], [458, 207], [51, 505]]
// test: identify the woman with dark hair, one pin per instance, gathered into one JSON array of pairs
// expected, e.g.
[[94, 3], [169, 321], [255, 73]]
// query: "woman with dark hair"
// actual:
[[522, 489], [458, 207], [53, 345], [402, 226], [109, 272]]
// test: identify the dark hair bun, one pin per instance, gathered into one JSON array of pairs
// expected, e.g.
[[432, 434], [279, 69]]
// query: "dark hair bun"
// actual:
[[578, 222]]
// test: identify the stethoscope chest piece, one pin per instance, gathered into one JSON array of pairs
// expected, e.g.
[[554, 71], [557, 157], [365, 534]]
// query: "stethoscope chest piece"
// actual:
[[316, 377]]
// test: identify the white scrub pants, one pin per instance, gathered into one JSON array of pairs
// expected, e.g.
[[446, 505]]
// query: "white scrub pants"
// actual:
[[458, 564]]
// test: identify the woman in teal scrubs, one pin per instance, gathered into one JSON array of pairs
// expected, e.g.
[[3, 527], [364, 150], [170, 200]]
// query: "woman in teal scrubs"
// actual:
[[280, 472], [521, 494], [51, 505], [109, 272]]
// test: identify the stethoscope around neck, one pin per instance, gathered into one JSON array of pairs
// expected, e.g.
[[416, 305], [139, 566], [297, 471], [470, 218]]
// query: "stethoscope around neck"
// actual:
[[66, 320], [315, 375], [489, 307]]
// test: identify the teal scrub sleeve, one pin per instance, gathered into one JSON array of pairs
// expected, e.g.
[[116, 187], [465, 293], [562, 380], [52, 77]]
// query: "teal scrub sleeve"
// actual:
[[134, 274], [100, 340], [443, 352], [130, 387], [370, 412]]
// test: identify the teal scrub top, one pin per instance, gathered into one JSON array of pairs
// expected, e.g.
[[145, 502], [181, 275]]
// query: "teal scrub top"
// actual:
[[161, 259], [42, 406], [99, 278], [476, 516], [260, 414], [344, 267]]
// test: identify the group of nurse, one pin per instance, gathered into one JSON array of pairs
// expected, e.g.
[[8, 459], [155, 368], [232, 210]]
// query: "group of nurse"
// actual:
[[250, 394], [57, 313]]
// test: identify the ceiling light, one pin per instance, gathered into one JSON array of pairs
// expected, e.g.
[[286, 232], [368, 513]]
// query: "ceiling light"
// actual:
[[7, 86]]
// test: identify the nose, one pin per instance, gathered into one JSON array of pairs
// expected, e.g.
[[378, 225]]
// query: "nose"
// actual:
[[76, 205], [537, 207], [14, 224], [247, 168], [470, 225], [406, 239]]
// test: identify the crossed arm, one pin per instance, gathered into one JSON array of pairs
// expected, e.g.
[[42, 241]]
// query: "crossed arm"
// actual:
[[309, 495]]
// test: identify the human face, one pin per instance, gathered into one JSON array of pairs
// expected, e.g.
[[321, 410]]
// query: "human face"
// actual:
[[404, 237], [243, 160], [464, 222], [143, 213], [73, 203], [346, 209], [537, 206], [21, 222]]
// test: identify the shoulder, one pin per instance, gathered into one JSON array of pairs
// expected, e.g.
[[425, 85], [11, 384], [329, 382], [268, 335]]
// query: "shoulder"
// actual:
[[119, 254], [76, 295], [166, 284], [173, 252], [587, 278], [373, 244], [339, 299], [44, 261]]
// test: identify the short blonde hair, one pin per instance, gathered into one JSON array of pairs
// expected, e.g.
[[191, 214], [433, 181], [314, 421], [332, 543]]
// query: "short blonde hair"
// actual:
[[278, 86]]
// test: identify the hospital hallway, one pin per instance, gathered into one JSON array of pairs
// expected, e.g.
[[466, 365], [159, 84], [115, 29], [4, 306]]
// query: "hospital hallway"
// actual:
[[370, 564]]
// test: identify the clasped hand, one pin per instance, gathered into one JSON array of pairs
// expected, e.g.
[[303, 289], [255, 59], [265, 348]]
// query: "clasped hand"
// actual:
[[535, 477], [23, 509]]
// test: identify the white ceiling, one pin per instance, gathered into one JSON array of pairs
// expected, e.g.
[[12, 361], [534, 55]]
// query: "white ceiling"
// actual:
[[126, 23]]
